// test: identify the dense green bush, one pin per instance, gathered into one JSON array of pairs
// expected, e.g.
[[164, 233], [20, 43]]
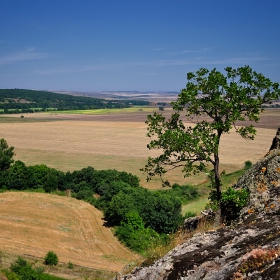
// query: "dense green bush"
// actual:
[[189, 214], [185, 193], [6, 155], [22, 270], [100, 180], [118, 207], [51, 258], [19, 177], [248, 164], [133, 234], [22, 177], [160, 211], [84, 194], [232, 202]]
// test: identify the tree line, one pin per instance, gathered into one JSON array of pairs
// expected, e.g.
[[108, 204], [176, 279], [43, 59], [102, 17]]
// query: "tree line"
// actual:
[[28, 101], [141, 216]]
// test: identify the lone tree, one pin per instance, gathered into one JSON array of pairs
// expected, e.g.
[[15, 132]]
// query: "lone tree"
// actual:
[[6, 155], [215, 103]]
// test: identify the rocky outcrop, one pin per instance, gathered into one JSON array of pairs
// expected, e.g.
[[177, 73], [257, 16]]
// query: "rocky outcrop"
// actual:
[[206, 217], [249, 249], [263, 182]]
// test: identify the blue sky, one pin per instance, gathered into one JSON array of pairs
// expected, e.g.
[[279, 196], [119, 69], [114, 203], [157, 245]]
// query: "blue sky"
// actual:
[[144, 45]]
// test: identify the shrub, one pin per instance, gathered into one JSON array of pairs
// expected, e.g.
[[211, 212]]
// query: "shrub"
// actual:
[[161, 212], [51, 258], [133, 234], [70, 265], [185, 193], [248, 164], [10, 275], [24, 270], [84, 194], [232, 202], [189, 214]]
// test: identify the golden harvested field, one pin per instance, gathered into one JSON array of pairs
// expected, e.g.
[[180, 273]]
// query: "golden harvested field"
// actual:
[[116, 141], [34, 223]]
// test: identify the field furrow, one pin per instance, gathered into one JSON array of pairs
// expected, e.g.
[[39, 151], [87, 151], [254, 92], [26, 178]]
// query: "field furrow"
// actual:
[[32, 223]]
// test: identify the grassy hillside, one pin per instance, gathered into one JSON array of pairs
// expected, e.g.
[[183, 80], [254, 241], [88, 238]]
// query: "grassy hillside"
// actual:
[[34, 223]]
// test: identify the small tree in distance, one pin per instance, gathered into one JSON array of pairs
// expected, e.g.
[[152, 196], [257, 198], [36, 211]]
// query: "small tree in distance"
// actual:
[[214, 102]]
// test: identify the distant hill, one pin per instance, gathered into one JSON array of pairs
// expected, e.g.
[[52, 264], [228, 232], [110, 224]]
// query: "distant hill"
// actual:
[[25, 100]]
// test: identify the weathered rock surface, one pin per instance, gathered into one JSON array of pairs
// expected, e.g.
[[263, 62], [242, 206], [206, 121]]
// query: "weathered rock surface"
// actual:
[[249, 249]]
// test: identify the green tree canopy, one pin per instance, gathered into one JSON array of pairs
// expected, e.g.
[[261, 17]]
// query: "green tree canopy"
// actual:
[[215, 103], [6, 155]]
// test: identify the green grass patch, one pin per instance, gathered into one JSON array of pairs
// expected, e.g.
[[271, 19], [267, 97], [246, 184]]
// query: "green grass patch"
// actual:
[[107, 110], [228, 180]]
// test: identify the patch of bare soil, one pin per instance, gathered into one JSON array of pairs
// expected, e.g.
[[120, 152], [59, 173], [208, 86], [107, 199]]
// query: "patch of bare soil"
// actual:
[[35, 223]]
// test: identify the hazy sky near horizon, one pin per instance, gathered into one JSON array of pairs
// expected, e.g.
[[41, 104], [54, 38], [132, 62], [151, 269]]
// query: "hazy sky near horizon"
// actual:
[[143, 45]]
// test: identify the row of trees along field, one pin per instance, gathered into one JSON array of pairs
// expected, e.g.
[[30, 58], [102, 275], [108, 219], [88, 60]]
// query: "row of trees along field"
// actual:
[[28, 101], [141, 217]]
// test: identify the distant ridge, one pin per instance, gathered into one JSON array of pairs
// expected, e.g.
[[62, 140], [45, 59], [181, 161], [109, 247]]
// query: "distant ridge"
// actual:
[[28, 101]]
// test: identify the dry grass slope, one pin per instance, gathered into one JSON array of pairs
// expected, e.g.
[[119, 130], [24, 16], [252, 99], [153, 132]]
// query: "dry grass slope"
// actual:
[[35, 223]]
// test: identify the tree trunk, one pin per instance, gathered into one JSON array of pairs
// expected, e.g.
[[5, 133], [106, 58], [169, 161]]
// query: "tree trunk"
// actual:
[[216, 168], [276, 141], [217, 177]]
